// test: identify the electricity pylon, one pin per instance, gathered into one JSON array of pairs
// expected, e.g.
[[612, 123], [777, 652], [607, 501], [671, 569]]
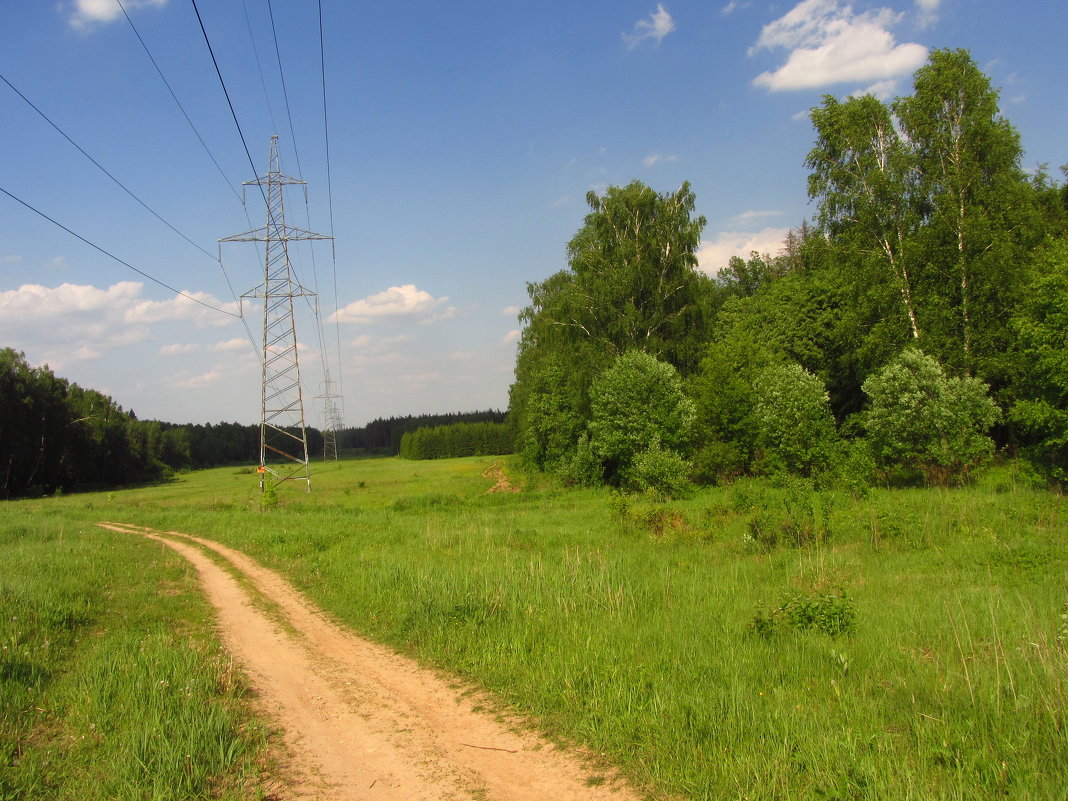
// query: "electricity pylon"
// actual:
[[332, 418], [283, 438]]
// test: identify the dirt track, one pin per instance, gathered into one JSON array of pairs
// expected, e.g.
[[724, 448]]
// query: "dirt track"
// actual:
[[360, 721]]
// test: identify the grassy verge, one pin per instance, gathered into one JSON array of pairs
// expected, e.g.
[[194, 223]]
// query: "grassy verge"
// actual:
[[112, 685], [759, 641]]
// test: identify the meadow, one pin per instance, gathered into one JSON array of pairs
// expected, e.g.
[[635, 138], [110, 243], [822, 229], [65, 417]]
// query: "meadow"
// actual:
[[765, 640]]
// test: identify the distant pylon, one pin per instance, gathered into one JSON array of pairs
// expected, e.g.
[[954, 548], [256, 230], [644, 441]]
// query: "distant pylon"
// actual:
[[283, 438], [332, 419]]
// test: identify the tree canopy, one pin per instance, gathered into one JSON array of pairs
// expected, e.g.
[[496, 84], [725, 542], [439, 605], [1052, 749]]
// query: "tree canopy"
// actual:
[[934, 258]]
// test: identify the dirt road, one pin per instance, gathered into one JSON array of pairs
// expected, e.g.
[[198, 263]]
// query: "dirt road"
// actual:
[[360, 721]]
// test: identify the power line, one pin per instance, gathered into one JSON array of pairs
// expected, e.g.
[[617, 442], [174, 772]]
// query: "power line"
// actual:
[[207, 150], [116, 258], [285, 93], [329, 189], [222, 83], [101, 167], [176, 100], [259, 66]]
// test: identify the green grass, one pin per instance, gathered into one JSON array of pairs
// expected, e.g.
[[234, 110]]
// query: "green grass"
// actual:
[[626, 625], [112, 685]]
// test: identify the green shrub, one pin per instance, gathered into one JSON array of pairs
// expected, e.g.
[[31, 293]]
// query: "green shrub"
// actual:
[[795, 427], [921, 419], [635, 402], [834, 614], [584, 468], [661, 471], [719, 462]]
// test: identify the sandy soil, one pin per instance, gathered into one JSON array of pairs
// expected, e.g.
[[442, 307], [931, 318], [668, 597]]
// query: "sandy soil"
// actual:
[[361, 722]]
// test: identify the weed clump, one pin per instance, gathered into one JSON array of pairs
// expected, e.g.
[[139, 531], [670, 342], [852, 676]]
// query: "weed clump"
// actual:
[[834, 614]]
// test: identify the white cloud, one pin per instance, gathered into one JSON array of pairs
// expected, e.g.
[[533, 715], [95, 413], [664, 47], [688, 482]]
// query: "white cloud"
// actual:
[[511, 337], [235, 344], [883, 90], [659, 25], [34, 300], [85, 353], [731, 7], [368, 342], [655, 158], [397, 301], [73, 322], [829, 44], [509, 311], [927, 12], [183, 307], [87, 13], [713, 256], [747, 217], [197, 381], [11, 258], [177, 349], [462, 355]]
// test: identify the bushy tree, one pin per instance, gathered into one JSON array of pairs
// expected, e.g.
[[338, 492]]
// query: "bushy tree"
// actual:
[[921, 419], [1041, 384], [795, 428], [554, 412], [636, 403], [663, 472]]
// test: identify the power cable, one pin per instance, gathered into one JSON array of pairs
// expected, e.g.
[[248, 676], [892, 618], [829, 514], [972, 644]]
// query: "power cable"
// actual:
[[101, 167], [285, 93], [222, 83], [259, 66], [313, 308], [177, 101], [329, 188], [215, 161], [116, 258]]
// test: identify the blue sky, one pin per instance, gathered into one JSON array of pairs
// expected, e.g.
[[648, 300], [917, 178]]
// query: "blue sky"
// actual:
[[463, 140]]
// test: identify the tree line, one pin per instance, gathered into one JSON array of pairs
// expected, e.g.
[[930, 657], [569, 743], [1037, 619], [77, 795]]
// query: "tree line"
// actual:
[[458, 439], [382, 436], [920, 321], [56, 435]]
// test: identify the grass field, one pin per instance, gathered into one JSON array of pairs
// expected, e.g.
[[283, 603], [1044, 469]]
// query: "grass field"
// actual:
[[756, 641]]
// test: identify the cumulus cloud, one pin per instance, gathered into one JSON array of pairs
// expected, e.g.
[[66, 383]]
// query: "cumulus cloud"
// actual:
[[883, 90], [183, 307], [366, 342], [829, 43], [748, 217], [177, 349], [511, 337], [34, 300], [197, 381], [656, 158], [397, 301], [85, 14], [714, 255], [73, 322], [235, 344], [927, 12], [659, 25], [509, 311]]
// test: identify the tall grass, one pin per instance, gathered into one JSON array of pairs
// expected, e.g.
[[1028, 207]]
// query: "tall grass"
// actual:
[[626, 625], [112, 685]]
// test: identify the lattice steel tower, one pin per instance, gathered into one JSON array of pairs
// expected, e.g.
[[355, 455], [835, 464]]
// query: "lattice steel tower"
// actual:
[[283, 438], [332, 418]]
